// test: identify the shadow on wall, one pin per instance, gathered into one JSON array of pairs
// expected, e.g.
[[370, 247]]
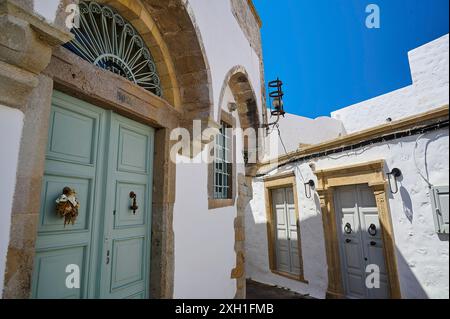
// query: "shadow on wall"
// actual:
[[407, 204], [409, 283], [314, 265]]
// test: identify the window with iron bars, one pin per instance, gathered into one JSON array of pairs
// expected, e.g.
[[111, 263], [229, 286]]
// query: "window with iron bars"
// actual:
[[223, 163]]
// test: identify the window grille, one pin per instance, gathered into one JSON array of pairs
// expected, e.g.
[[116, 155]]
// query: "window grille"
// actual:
[[107, 40], [223, 163]]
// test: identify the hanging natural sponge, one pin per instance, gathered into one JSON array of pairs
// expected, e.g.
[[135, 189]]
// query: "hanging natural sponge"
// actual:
[[67, 206]]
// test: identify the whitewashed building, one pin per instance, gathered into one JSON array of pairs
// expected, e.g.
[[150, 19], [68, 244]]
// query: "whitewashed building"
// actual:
[[88, 104], [375, 193], [108, 110]]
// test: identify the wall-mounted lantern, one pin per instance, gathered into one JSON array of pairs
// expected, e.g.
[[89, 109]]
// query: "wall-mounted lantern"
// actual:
[[276, 101], [394, 174], [308, 188]]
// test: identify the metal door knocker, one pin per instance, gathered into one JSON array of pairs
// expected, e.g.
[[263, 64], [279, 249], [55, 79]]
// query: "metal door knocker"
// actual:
[[372, 230], [67, 206], [134, 207], [348, 228]]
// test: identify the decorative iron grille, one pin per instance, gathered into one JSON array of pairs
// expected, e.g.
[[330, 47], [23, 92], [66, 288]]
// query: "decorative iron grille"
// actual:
[[107, 40]]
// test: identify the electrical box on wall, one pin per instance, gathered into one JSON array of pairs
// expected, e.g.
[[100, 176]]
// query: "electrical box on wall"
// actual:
[[440, 200]]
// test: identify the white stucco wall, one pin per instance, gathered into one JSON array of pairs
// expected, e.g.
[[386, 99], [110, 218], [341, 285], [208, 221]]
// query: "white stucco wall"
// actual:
[[11, 123], [430, 75], [46, 9], [422, 255], [204, 239], [216, 21], [296, 131]]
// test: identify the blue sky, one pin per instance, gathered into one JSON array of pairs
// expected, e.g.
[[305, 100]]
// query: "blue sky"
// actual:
[[328, 59]]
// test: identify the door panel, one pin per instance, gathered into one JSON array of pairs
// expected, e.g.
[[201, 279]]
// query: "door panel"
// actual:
[[50, 265], [282, 231], [126, 270], [286, 241], [126, 252], [293, 232], [53, 186], [360, 240], [75, 134], [122, 217], [372, 239]]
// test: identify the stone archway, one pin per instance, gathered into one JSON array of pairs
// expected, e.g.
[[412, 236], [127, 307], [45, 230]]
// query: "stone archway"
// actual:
[[237, 80]]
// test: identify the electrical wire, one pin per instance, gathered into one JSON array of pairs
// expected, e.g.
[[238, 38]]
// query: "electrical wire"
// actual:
[[416, 145], [368, 144], [281, 139]]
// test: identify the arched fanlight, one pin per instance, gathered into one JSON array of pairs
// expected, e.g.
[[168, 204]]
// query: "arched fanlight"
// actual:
[[107, 40]]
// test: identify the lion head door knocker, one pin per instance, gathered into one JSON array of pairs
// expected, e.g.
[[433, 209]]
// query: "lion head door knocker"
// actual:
[[348, 229], [67, 206], [372, 230]]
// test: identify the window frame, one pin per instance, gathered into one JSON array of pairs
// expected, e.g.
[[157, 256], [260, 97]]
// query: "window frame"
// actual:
[[213, 202]]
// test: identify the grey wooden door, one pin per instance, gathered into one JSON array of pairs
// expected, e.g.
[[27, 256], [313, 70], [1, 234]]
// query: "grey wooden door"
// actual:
[[286, 231], [360, 241]]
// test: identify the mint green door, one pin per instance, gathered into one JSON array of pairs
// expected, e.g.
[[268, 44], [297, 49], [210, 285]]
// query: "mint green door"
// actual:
[[103, 157], [125, 252]]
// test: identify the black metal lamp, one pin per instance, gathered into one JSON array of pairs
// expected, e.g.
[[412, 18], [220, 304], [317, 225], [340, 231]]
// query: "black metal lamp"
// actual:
[[277, 105], [395, 173], [308, 188], [276, 94]]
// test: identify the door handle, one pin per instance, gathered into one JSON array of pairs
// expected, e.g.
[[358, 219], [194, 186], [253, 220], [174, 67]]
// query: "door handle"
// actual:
[[107, 257], [373, 243], [348, 240], [134, 207]]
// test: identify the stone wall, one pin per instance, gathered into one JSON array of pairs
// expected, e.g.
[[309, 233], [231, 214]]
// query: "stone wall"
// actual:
[[250, 24]]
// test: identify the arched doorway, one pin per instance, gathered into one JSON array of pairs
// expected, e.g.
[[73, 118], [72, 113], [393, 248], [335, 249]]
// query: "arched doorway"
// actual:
[[170, 35]]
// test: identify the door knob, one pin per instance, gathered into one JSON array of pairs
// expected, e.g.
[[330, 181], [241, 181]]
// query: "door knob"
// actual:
[[373, 243], [348, 241], [134, 207]]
